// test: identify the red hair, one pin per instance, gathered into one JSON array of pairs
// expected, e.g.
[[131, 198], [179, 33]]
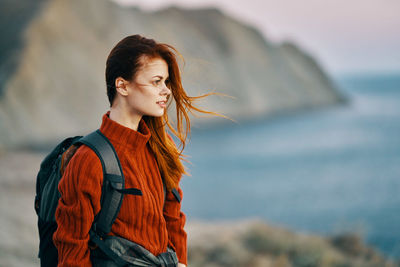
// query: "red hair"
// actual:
[[124, 61]]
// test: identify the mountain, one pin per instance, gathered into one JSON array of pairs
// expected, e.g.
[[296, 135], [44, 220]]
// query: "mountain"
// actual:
[[52, 82]]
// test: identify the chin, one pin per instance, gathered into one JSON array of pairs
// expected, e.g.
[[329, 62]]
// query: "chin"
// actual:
[[156, 114]]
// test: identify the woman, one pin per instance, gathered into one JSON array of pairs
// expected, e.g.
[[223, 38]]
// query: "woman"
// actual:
[[141, 77]]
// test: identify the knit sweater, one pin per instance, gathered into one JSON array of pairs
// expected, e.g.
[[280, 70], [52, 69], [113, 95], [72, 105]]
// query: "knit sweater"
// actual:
[[141, 219]]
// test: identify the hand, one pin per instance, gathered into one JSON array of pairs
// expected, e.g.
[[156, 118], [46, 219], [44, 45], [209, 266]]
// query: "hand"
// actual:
[[181, 265]]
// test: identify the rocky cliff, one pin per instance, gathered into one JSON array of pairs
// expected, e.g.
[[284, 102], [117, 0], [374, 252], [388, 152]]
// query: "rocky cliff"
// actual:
[[56, 87]]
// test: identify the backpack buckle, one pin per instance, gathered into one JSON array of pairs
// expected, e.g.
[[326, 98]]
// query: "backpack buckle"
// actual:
[[93, 235]]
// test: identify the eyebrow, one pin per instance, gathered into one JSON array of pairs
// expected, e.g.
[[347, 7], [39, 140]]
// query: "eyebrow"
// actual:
[[160, 76]]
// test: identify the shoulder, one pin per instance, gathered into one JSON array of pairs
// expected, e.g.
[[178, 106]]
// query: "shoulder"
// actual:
[[85, 154], [84, 161], [81, 183]]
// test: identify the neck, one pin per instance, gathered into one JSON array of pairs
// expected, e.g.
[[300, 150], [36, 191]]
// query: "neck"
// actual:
[[125, 118]]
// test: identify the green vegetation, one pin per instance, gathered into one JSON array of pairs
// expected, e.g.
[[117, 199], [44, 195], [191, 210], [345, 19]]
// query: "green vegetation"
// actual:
[[258, 244]]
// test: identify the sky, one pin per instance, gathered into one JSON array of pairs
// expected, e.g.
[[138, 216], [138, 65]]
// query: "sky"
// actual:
[[344, 36]]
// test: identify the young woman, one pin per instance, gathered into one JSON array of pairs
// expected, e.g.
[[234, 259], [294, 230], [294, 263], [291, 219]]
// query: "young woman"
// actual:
[[141, 77]]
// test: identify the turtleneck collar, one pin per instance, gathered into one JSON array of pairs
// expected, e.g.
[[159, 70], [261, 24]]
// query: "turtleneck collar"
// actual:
[[125, 136]]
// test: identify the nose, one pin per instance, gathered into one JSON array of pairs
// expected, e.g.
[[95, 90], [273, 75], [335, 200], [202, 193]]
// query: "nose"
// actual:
[[165, 90]]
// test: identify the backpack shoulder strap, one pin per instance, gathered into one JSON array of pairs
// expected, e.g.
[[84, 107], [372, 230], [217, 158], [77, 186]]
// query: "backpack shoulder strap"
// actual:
[[112, 191], [113, 181]]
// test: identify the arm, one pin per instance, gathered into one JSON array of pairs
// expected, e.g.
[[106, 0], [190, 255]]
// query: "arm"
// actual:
[[80, 189], [175, 219]]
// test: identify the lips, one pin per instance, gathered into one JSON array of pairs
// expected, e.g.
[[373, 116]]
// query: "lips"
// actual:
[[162, 104]]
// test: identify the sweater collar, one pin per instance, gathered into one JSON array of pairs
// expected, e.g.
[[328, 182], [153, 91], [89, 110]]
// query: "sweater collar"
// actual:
[[125, 136]]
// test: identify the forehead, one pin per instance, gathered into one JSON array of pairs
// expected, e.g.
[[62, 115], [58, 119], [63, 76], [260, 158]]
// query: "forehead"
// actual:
[[153, 66]]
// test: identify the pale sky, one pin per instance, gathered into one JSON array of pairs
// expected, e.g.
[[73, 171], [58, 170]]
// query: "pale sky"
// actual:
[[345, 36]]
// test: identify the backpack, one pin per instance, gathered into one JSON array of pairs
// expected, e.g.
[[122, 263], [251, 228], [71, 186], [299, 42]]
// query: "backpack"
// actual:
[[47, 194]]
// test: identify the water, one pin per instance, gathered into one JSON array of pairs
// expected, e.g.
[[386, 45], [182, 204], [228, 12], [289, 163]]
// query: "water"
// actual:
[[324, 171]]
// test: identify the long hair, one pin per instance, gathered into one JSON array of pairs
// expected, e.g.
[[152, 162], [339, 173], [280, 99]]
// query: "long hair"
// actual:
[[124, 61]]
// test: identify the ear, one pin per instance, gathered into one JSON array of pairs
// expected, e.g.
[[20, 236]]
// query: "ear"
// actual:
[[121, 86]]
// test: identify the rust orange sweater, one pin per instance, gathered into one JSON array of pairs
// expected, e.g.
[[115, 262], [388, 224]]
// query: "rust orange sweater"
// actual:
[[141, 218]]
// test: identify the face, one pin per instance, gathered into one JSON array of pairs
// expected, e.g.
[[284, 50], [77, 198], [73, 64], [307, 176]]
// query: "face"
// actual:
[[149, 88]]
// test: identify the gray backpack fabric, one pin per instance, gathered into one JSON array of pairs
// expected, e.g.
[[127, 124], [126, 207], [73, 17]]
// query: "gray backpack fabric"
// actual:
[[133, 254]]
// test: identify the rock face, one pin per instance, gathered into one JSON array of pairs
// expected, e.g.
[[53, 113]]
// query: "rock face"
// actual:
[[57, 87]]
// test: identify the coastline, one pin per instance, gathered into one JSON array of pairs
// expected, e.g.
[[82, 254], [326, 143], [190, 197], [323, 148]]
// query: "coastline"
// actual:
[[248, 242]]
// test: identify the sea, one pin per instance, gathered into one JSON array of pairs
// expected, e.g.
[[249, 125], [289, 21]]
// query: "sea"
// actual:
[[327, 171]]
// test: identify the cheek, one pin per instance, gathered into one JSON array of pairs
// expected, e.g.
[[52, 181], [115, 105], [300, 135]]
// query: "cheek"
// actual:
[[148, 96], [142, 98]]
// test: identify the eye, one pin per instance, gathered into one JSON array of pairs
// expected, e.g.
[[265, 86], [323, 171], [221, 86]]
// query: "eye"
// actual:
[[167, 82], [157, 82]]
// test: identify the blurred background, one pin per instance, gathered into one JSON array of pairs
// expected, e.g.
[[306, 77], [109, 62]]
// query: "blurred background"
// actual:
[[308, 175]]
